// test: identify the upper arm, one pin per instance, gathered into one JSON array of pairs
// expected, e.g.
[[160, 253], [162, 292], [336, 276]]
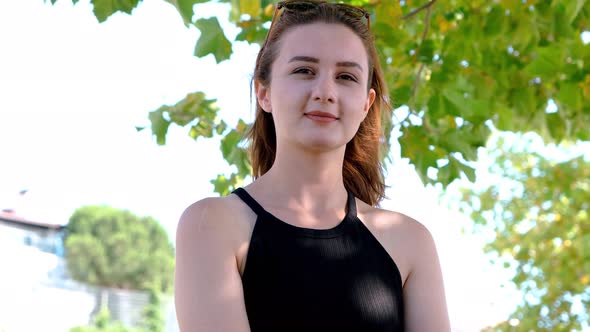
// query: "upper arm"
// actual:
[[424, 295], [208, 289]]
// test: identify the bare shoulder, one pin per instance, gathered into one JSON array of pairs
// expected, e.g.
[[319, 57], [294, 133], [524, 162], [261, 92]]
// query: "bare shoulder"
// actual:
[[398, 224], [225, 217], [210, 206], [206, 244], [406, 239]]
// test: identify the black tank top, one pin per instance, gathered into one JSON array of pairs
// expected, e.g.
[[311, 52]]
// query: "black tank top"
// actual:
[[305, 280]]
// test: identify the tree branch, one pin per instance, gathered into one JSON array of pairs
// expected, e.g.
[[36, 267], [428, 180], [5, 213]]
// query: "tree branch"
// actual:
[[427, 5], [416, 82], [424, 35], [427, 21]]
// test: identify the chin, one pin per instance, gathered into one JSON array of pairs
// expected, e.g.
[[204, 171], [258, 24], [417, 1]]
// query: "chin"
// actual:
[[323, 144]]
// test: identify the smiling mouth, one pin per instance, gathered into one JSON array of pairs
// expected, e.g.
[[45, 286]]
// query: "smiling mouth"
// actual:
[[321, 116]]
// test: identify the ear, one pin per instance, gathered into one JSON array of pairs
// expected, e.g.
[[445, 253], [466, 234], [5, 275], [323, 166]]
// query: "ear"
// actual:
[[369, 102], [263, 96]]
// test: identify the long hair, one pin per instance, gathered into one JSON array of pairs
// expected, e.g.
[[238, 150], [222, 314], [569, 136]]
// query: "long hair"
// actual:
[[362, 169]]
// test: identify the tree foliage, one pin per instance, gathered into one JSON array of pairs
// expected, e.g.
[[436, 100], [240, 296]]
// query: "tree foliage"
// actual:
[[539, 211], [153, 318], [459, 65], [103, 323], [115, 248]]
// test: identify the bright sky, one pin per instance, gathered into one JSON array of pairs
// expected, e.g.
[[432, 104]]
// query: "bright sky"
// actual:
[[72, 92]]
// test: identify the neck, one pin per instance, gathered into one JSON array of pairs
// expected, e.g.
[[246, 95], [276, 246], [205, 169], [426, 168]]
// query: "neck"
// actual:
[[312, 181]]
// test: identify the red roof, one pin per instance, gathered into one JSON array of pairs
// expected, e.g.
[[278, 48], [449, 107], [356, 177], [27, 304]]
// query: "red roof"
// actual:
[[10, 216]]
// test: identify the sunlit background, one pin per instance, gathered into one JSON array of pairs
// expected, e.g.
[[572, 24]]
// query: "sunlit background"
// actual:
[[73, 91]]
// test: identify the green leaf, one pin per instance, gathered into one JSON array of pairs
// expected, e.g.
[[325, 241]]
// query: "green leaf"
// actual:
[[562, 23], [468, 171], [570, 94], [401, 96], [253, 33], [193, 106], [474, 110], [572, 9], [201, 129], [480, 133], [415, 146], [556, 126], [103, 9], [239, 158], [185, 8], [527, 33], [388, 12], [494, 22], [212, 40], [484, 87], [457, 140], [425, 160], [459, 106], [383, 32], [505, 118], [465, 140], [159, 124], [480, 110], [449, 172], [511, 5], [524, 101], [242, 127], [234, 12], [220, 128], [221, 185], [436, 106], [453, 170], [582, 134], [547, 62], [250, 7], [229, 143], [426, 51]]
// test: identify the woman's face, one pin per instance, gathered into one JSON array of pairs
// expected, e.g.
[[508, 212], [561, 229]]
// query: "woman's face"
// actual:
[[318, 92]]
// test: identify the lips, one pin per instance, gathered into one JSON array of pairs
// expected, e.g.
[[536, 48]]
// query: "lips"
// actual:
[[321, 116]]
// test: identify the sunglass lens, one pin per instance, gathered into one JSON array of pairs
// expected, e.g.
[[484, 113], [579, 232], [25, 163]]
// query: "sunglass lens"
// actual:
[[354, 12], [303, 6], [300, 6]]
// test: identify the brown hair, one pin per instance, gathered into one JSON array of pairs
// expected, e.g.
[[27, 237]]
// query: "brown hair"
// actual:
[[362, 169]]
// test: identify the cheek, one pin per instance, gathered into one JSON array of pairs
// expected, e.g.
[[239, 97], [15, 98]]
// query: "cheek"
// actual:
[[356, 101], [288, 97]]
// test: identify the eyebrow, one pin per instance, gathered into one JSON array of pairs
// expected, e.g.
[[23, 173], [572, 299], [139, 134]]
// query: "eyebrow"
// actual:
[[316, 60]]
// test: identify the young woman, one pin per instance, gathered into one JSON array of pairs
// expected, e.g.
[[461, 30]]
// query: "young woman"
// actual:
[[304, 247]]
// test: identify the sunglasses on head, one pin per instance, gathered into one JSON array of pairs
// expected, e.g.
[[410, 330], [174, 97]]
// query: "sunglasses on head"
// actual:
[[303, 6]]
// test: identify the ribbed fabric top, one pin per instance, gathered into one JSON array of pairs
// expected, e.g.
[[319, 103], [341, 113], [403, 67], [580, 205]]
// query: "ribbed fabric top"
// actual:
[[302, 279]]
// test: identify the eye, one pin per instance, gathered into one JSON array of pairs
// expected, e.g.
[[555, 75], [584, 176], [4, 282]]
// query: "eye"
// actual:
[[303, 70], [348, 77]]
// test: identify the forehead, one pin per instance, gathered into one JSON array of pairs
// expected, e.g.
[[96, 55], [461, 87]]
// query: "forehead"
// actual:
[[330, 43]]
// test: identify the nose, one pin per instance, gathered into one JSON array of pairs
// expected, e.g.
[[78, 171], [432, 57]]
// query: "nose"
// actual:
[[324, 91]]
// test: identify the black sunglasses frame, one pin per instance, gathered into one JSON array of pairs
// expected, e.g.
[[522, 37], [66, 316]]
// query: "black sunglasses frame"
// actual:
[[354, 11]]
